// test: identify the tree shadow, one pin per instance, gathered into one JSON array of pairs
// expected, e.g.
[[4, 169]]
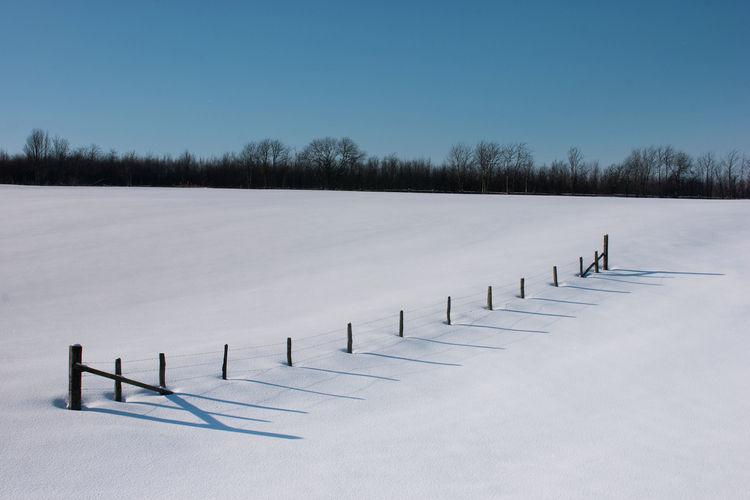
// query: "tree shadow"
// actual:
[[208, 421], [409, 359], [457, 344], [348, 373]]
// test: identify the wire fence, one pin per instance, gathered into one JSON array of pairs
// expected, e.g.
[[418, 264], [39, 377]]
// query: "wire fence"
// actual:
[[374, 334]]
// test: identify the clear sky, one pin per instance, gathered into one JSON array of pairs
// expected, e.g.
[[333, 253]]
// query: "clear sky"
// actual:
[[398, 77]]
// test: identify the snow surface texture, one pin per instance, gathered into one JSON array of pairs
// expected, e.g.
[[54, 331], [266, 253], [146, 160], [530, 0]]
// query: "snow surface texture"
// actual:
[[633, 382]]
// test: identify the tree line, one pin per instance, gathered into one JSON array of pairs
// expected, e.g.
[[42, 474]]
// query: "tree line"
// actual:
[[340, 163]]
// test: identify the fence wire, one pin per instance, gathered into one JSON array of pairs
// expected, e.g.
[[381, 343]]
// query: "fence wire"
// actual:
[[379, 333]]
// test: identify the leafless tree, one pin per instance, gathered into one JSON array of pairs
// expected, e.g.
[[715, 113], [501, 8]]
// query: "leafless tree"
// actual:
[[331, 157], [186, 159], [60, 148], [524, 163], [707, 168], [665, 162], [460, 161], [350, 155], [730, 164], [575, 165], [267, 155], [37, 145], [249, 159], [487, 158]]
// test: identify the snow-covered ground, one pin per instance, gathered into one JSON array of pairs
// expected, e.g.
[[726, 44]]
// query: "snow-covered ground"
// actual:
[[633, 382]]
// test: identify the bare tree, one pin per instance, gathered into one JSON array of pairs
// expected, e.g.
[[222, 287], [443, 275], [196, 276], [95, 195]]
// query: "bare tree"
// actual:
[[524, 162], [186, 159], [575, 165], [350, 155], [37, 145], [280, 155], [730, 163], [460, 161], [268, 154], [60, 148], [249, 158], [681, 168], [507, 154], [331, 158], [487, 158], [666, 156]]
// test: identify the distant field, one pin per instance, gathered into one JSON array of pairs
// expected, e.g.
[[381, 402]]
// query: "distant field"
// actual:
[[631, 382]]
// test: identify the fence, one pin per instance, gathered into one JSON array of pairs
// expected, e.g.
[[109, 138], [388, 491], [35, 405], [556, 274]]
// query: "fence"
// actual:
[[76, 366]]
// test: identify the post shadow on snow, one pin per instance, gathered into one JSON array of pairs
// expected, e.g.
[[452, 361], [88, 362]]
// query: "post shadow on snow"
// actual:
[[238, 403], [607, 278], [515, 330], [565, 301], [353, 374], [535, 313], [638, 275], [594, 289], [400, 358], [309, 391], [668, 272], [226, 415], [456, 343], [208, 421]]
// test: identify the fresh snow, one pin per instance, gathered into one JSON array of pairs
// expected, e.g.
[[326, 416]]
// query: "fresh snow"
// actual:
[[630, 383]]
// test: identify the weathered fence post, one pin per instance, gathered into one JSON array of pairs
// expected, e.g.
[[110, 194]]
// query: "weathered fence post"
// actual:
[[162, 370], [448, 311], [554, 275], [401, 323], [289, 351], [606, 252], [596, 261], [489, 298], [349, 338], [118, 384], [580, 265], [75, 357], [523, 292], [224, 364]]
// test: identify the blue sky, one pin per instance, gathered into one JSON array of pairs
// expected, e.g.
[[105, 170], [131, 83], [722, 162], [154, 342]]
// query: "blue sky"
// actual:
[[409, 78]]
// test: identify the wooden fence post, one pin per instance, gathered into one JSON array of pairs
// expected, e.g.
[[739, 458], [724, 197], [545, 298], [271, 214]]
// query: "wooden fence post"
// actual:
[[75, 357], [118, 384], [489, 298], [523, 292], [224, 364], [162, 370], [289, 351], [448, 311], [401, 323], [596, 261], [580, 265], [606, 252], [554, 275], [349, 338]]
